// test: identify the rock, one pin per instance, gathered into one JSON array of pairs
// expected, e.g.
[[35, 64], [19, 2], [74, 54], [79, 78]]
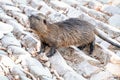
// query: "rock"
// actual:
[[115, 21], [113, 68], [10, 8], [17, 50], [118, 39], [18, 30], [57, 4], [37, 68], [103, 75], [16, 70], [115, 59], [6, 2], [7, 61], [9, 39], [82, 55], [80, 62], [1, 35], [5, 28], [118, 53], [60, 65], [5, 18], [87, 68], [94, 5], [31, 43], [72, 76], [111, 10], [46, 78], [70, 11], [21, 18], [83, 2], [24, 78], [103, 1], [46, 10], [3, 77], [2, 71], [106, 44], [115, 2], [27, 9], [36, 3], [55, 17], [72, 3], [20, 2], [3, 52]]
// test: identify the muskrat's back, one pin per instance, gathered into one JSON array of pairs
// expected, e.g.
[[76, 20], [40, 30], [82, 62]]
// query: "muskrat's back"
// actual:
[[74, 32]]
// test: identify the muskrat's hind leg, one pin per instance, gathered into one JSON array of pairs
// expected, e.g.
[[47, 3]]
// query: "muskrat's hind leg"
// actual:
[[81, 47], [92, 46], [51, 52]]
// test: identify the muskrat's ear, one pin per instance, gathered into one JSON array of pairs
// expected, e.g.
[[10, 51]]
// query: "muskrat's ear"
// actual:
[[44, 21]]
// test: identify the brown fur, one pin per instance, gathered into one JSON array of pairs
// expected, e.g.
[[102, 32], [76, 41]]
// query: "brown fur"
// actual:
[[72, 31], [66, 33]]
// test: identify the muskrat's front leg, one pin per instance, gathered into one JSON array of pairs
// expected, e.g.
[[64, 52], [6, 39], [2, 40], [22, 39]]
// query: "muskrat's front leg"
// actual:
[[81, 47], [92, 46], [52, 51], [42, 49]]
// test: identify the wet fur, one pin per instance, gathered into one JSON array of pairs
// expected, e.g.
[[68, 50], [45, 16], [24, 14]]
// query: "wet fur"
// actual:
[[72, 31]]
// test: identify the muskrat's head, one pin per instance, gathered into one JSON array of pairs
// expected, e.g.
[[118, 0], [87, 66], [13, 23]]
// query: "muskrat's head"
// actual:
[[37, 22]]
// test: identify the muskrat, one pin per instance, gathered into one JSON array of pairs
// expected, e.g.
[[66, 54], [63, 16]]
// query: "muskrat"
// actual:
[[72, 31]]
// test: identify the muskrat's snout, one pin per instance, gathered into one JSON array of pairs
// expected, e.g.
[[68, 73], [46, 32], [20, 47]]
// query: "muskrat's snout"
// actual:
[[35, 21], [30, 17], [32, 21]]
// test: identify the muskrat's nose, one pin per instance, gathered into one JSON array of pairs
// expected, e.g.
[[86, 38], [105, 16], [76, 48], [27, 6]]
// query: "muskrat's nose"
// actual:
[[30, 16]]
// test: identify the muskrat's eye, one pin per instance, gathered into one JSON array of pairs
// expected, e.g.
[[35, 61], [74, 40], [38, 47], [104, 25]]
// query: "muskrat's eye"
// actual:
[[44, 21]]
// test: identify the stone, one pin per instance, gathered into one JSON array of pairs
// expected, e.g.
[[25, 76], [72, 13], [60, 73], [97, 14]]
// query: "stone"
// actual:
[[103, 1], [3, 52], [115, 59], [87, 68], [118, 39], [113, 68], [103, 75], [6, 2], [17, 50], [5, 28], [111, 10], [9, 40], [31, 43], [10, 8], [115, 21], [6, 61], [3, 77], [20, 2], [1, 35], [18, 30], [60, 65], [37, 68], [115, 2]]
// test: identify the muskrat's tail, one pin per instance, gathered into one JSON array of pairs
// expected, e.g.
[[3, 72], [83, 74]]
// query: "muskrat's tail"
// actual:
[[107, 38]]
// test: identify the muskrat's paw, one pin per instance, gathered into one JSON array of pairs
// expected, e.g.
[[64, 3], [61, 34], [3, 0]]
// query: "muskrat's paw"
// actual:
[[40, 52], [51, 54]]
